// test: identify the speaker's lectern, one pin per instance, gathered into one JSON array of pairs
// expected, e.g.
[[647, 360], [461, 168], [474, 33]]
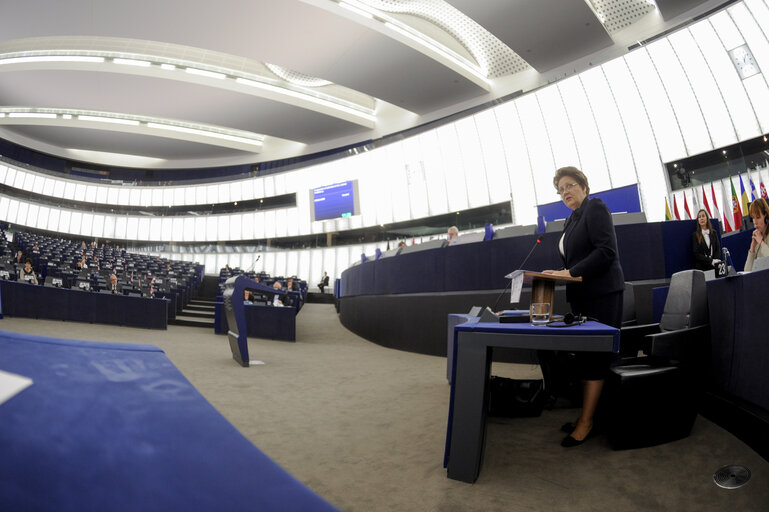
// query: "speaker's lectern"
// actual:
[[542, 285]]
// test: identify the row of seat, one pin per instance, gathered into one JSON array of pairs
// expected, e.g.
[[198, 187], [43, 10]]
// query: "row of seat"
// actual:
[[67, 264]]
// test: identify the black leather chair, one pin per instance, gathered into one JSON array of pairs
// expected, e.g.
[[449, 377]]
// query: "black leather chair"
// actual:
[[652, 392]]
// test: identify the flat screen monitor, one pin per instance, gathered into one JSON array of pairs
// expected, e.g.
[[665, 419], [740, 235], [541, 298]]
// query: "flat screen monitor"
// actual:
[[335, 201]]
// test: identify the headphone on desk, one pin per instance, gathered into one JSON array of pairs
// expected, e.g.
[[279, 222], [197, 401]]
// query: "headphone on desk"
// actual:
[[568, 321]]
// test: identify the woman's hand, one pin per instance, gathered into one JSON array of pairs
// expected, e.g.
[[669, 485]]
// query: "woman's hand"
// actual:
[[561, 273], [758, 239]]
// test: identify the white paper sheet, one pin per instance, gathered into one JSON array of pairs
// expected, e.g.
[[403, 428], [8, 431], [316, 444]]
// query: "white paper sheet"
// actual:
[[516, 285], [11, 385]]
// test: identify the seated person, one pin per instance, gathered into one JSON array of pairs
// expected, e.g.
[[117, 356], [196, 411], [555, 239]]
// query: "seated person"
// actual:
[[759, 212], [453, 234], [291, 285], [705, 245], [113, 285], [248, 297], [19, 258], [277, 300], [324, 282], [27, 273]]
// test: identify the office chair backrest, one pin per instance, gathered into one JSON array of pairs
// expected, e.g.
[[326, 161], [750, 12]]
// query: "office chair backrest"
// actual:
[[687, 303]]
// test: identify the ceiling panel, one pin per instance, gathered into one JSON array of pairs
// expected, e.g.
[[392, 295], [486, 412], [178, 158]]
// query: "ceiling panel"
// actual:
[[545, 33], [672, 8], [399, 75]]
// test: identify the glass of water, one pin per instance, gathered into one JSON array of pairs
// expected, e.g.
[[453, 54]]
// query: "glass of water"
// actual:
[[540, 313]]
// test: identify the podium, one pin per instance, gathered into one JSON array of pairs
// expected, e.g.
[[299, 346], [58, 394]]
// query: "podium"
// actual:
[[236, 315], [543, 286]]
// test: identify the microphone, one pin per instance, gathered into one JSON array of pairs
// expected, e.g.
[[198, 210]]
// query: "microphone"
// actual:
[[536, 243], [539, 241], [254, 263], [728, 259]]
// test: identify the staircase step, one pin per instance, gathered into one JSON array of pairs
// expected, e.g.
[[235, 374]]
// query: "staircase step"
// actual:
[[320, 298], [203, 302], [200, 307], [197, 314], [192, 321]]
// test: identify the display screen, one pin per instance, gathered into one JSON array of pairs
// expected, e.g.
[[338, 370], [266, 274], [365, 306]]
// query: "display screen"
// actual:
[[335, 201]]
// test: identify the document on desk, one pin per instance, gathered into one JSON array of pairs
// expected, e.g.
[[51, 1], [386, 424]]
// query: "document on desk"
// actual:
[[516, 285], [11, 385]]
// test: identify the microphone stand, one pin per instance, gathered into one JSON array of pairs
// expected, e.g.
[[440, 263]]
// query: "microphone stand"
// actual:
[[539, 241]]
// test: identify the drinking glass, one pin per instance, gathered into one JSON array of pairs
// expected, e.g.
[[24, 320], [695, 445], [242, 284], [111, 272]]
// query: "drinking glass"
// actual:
[[540, 313]]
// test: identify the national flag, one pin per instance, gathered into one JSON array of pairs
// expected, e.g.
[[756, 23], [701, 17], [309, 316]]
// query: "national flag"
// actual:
[[686, 208], [727, 210], [727, 226], [675, 208], [668, 215], [762, 188], [705, 203], [744, 196], [753, 194], [736, 213], [715, 203]]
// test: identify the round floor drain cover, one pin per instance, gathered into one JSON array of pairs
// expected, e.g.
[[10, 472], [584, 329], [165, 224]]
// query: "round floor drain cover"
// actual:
[[731, 477]]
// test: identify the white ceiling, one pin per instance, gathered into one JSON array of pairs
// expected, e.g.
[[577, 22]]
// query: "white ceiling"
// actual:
[[312, 37]]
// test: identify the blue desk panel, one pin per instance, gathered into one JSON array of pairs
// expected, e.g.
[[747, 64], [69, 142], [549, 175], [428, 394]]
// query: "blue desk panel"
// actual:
[[26, 300], [109, 426], [648, 251]]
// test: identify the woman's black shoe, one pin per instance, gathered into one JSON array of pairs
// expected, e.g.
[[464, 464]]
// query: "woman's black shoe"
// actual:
[[568, 427], [570, 442]]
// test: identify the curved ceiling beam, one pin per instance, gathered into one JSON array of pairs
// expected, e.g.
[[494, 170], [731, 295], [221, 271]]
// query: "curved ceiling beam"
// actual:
[[169, 68], [404, 33], [141, 125]]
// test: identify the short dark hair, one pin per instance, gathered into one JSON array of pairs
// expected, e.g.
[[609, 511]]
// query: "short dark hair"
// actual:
[[28, 260], [572, 172]]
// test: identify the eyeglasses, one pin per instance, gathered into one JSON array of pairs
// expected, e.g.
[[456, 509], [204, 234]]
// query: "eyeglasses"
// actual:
[[566, 188]]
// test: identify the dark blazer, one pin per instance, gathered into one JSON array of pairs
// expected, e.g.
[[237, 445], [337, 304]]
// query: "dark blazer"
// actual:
[[703, 256], [590, 247]]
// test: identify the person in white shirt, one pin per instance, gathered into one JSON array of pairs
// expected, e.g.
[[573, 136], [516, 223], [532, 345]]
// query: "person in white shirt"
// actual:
[[453, 235], [705, 244], [276, 300], [27, 273]]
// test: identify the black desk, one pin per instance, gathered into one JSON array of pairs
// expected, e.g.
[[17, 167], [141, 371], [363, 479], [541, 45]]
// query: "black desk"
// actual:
[[26, 300], [466, 430]]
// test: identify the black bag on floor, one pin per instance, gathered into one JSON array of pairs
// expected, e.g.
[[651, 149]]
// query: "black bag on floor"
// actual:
[[510, 398]]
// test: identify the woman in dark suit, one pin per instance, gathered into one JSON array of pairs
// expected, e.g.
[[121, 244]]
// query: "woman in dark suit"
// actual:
[[705, 244], [588, 247]]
